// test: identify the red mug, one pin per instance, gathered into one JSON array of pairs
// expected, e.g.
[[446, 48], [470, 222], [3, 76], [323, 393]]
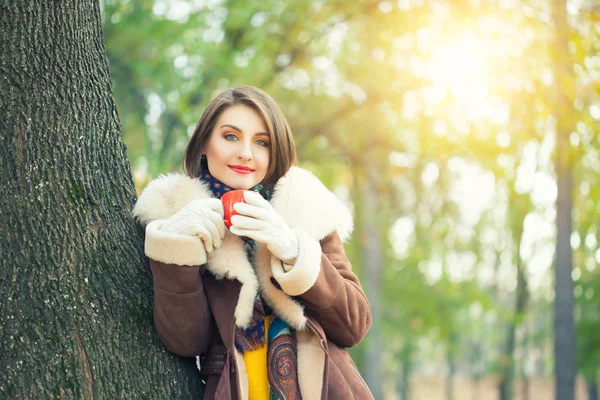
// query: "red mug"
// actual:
[[228, 200]]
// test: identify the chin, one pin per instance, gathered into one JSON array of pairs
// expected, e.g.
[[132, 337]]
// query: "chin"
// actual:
[[242, 184], [237, 181]]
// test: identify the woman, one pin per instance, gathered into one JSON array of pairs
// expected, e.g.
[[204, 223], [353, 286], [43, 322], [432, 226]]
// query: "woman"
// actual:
[[271, 303]]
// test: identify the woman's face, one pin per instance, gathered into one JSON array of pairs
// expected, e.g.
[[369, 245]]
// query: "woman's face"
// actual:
[[239, 148]]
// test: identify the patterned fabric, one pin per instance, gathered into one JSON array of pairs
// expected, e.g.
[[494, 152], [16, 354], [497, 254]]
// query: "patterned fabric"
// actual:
[[282, 353], [282, 362], [253, 337]]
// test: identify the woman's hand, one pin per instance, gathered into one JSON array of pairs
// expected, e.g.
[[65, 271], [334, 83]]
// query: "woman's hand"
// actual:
[[202, 218], [258, 220]]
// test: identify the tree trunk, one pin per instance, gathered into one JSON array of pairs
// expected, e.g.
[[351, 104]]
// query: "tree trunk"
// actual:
[[592, 389], [506, 381], [524, 377], [76, 306], [403, 384], [450, 376], [564, 327], [372, 264], [476, 392], [475, 365], [519, 206]]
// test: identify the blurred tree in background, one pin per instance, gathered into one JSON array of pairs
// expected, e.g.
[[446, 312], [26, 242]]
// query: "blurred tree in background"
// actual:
[[439, 123]]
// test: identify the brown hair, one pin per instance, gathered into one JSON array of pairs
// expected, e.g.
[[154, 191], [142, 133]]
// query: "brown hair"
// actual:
[[283, 150]]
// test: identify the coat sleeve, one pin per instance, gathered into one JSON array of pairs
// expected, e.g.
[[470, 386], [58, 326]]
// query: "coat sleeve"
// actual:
[[181, 313], [323, 280]]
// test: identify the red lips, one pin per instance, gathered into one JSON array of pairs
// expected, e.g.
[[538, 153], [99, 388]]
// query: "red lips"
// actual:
[[241, 169]]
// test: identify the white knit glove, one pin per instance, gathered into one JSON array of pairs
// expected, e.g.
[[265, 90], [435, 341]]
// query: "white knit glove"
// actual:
[[260, 221], [202, 218]]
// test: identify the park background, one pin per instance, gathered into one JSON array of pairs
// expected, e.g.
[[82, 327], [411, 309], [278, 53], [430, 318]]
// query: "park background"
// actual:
[[437, 122], [462, 134]]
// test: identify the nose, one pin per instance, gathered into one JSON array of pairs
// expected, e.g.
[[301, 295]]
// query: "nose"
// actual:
[[245, 151]]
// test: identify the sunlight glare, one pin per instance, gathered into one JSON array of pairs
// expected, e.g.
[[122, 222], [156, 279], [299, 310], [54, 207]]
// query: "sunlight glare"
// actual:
[[461, 67]]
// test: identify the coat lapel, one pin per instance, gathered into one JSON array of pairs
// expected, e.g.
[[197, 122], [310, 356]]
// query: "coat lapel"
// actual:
[[230, 262], [222, 296]]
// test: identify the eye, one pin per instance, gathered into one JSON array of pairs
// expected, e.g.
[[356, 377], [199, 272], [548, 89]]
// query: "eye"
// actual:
[[261, 142], [230, 136]]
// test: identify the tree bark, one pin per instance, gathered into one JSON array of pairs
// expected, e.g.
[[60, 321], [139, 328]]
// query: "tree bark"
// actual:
[[76, 291], [564, 327]]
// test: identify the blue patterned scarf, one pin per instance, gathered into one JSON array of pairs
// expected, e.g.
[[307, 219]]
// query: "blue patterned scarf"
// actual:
[[282, 353], [219, 189]]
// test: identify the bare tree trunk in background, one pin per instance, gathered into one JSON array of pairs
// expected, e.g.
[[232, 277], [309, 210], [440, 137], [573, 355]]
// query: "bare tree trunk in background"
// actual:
[[403, 383], [451, 352], [450, 376], [518, 212], [372, 264], [508, 360], [524, 377], [476, 393], [75, 290], [475, 363], [592, 389], [564, 327]]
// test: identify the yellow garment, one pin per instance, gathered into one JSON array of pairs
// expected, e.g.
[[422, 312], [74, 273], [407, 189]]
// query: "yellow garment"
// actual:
[[256, 367]]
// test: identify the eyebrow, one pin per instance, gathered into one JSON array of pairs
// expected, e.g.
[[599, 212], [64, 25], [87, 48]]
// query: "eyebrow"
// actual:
[[239, 130]]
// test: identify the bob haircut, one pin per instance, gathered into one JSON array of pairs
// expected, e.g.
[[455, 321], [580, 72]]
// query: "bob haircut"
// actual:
[[283, 150]]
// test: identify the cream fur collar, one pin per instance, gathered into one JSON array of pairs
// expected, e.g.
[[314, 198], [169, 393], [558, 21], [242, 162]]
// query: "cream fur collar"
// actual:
[[299, 197]]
